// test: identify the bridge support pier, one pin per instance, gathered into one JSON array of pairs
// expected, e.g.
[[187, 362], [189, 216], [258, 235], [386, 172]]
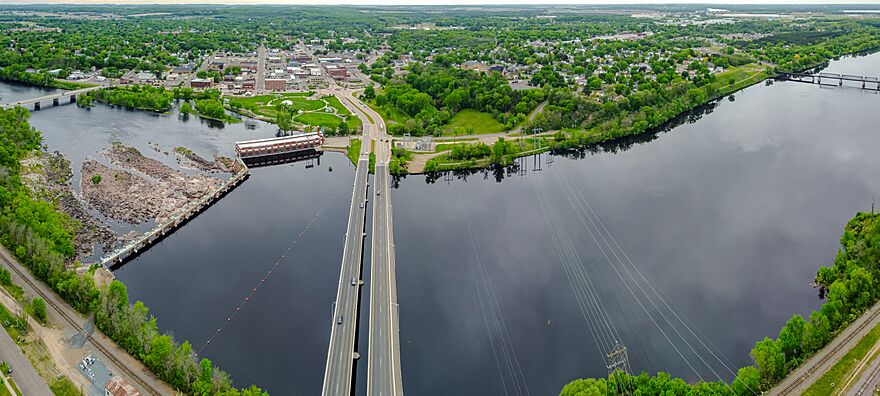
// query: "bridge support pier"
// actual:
[[840, 84]]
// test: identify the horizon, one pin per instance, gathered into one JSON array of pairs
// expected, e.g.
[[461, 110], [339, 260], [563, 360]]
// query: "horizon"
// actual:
[[440, 3]]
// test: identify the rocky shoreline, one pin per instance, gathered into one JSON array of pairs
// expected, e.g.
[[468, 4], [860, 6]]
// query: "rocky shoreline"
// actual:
[[139, 189], [122, 185], [49, 176]]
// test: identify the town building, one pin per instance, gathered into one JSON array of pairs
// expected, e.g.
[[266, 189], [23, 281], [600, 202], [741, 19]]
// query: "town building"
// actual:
[[201, 83], [276, 84]]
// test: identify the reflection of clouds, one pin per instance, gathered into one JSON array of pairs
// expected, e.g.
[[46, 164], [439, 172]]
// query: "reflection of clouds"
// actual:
[[728, 217]]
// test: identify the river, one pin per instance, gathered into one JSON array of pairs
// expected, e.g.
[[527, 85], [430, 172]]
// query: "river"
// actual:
[[728, 216]]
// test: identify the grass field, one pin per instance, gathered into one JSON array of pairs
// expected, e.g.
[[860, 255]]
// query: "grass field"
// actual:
[[392, 116], [354, 150], [838, 374], [472, 122], [265, 104], [336, 104]]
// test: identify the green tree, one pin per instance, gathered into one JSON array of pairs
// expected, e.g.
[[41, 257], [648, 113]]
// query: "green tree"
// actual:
[[790, 337], [39, 309], [770, 361], [747, 382]]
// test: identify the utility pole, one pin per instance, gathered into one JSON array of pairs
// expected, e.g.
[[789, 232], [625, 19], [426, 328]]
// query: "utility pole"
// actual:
[[872, 203], [535, 132]]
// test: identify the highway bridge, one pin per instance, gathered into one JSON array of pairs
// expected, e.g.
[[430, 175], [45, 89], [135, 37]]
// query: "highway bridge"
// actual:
[[834, 77], [383, 366], [55, 98], [341, 355]]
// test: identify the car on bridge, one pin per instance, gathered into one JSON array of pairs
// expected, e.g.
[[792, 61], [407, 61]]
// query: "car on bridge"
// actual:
[[339, 320]]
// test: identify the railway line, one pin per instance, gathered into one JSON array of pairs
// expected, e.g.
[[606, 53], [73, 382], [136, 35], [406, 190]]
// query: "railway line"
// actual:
[[825, 358], [97, 344], [865, 388]]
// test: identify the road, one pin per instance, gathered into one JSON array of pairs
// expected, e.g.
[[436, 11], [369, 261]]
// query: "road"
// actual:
[[260, 84], [23, 373], [808, 372], [203, 67], [69, 321], [338, 379], [383, 366]]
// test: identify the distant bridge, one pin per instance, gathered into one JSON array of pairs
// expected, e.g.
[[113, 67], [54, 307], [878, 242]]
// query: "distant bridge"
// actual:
[[834, 77], [55, 98]]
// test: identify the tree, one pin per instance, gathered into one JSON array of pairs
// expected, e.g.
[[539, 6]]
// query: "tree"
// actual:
[[770, 361], [343, 129], [790, 337], [185, 108], [369, 92], [39, 309], [747, 382]]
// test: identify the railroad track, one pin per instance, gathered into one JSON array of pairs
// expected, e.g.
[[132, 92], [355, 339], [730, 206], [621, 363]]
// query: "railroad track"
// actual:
[[79, 329], [868, 381], [790, 388]]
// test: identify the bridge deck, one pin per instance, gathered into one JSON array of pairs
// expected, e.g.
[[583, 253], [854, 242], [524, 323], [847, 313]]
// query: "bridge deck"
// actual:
[[51, 97], [338, 374]]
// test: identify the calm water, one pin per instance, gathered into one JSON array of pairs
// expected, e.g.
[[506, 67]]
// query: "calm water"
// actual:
[[13, 92], [728, 218]]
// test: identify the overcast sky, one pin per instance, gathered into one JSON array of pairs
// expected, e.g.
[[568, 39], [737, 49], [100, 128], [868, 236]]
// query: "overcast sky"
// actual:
[[436, 2]]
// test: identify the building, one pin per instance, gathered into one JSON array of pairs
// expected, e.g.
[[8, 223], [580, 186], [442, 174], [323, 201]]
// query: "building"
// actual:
[[201, 83], [118, 387], [276, 84], [248, 84]]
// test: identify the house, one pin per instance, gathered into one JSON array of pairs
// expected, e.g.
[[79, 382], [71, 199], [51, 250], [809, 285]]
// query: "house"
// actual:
[[118, 387]]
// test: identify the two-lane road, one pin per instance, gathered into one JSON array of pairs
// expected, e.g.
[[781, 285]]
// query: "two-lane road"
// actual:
[[338, 378], [383, 366]]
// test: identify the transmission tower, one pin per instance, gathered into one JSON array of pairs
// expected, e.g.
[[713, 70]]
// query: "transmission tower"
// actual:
[[618, 360], [618, 365]]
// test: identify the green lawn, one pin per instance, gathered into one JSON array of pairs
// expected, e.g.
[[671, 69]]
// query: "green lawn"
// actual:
[[336, 104], [265, 104], [472, 122], [327, 120], [64, 387], [4, 391], [354, 150], [838, 374], [391, 116]]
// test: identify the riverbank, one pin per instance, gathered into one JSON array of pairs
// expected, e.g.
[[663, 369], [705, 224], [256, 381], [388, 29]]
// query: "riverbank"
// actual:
[[579, 139], [567, 139]]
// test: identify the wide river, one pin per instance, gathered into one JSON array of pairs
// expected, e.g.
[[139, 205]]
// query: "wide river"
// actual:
[[686, 246]]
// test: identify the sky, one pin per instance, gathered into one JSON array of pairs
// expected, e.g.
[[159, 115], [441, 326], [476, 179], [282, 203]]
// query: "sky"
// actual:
[[437, 2]]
